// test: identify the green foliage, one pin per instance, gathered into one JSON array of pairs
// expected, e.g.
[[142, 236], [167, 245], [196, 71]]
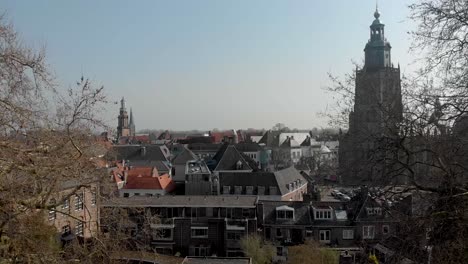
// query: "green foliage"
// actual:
[[257, 249], [312, 253]]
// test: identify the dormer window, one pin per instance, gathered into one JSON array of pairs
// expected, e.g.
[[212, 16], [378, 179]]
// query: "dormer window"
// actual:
[[237, 189], [374, 210], [226, 189], [261, 190], [284, 213], [323, 213], [273, 190], [249, 190]]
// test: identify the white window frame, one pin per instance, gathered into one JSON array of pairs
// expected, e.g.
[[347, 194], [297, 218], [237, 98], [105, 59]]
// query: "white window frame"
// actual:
[[323, 214], [325, 232], [93, 196], [193, 228], [366, 232], [66, 204], [79, 203], [79, 228], [348, 234], [52, 214], [284, 214]]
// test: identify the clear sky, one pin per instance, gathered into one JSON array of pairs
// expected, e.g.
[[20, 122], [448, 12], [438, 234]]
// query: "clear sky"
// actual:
[[203, 64]]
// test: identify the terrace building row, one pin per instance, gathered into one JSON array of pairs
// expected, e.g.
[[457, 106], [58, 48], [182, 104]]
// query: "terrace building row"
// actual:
[[214, 225]]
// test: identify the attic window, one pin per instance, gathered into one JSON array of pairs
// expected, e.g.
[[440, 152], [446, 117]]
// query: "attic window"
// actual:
[[273, 190], [323, 214], [374, 210], [249, 190], [261, 190], [226, 189], [237, 189], [284, 213]]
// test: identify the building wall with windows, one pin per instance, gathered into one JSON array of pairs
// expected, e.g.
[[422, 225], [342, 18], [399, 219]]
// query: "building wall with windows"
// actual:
[[78, 214]]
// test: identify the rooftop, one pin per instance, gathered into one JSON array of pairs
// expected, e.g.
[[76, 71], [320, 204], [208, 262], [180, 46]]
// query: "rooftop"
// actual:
[[184, 201]]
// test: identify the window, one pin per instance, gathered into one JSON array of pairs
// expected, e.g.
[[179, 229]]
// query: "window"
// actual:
[[199, 232], [93, 196], [237, 189], [226, 189], [368, 232], [284, 214], [126, 195], [273, 190], [348, 234], [278, 232], [52, 212], [279, 251], [66, 229], [79, 228], [261, 190], [234, 236], [309, 233], [324, 236], [162, 234], [321, 214], [374, 210], [385, 229], [79, 202], [66, 204], [267, 233], [249, 190]]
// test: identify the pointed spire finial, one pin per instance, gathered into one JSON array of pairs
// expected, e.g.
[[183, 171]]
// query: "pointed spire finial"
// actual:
[[122, 102], [376, 13]]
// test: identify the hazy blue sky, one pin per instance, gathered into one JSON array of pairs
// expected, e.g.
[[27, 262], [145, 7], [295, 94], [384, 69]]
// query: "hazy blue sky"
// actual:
[[209, 63]]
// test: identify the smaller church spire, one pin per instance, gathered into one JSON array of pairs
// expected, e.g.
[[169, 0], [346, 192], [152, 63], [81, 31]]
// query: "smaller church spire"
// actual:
[[131, 117]]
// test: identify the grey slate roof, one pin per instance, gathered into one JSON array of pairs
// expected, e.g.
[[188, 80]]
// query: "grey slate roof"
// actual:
[[227, 158], [287, 176], [248, 147], [243, 179], [301, 213], [184, 156], [183, 201], [161, 166], [290, 142], [278, 179], [135, 153]]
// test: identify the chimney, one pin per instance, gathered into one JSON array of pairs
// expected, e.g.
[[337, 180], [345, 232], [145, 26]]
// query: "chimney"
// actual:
[[125, 176], [143, 151]]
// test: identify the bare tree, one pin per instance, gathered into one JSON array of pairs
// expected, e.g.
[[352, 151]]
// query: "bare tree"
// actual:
[[46, 140]]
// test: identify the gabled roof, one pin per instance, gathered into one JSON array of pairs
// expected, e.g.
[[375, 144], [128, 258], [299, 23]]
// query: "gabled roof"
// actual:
[[287, 176], [301, 213], [248, 147], [290, 142], [184, 201], [255, 179], [228, 158], [184, 156], [138, 153], [298, 137], [279, 179]]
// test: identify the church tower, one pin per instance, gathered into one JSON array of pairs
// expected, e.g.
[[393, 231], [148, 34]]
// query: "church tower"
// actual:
[[376, 114], [123, 129]]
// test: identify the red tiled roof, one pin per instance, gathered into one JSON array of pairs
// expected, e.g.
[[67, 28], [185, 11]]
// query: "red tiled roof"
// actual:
[[144, 178]]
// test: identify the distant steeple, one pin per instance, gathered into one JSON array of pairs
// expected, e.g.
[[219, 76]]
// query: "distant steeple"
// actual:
[[132, 124], [131, 117]]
